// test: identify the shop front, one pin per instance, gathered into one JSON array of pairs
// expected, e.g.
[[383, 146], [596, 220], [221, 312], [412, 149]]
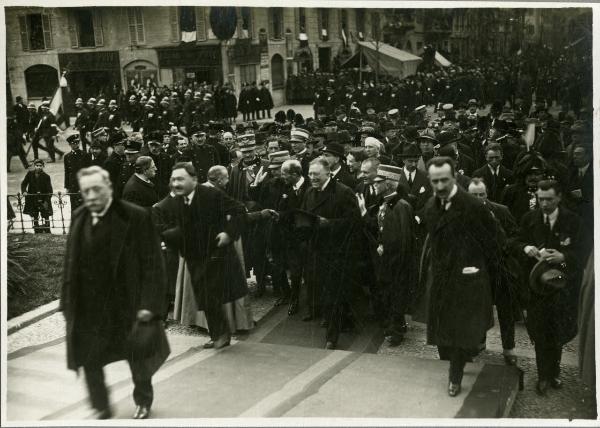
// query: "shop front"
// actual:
[[192, 64], [92, 74]]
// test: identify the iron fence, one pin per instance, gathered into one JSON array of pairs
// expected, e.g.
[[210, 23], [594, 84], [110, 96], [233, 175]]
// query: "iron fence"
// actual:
[[59, 221]]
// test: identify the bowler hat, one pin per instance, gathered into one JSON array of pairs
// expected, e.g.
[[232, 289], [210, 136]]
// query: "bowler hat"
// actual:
[[447, 137], [410, 150], [335, 149], [546, 279]]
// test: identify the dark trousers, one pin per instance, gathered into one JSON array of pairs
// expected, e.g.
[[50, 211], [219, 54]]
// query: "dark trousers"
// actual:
[[206, 279], [547, 358], [312, 280], [36, 146], [458, 358], [394, 306], [143, 393], [506, 316], [296, 261]]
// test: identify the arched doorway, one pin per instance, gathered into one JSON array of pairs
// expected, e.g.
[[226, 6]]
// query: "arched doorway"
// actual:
[[140, 73], [41, 81], [277, 72]]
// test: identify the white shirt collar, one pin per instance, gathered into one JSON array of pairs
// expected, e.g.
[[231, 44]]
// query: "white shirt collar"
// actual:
[[190, 197], [584, 169], [409, 173], [494, 171], [453, 192], [299, 183], [552, 217], [142, 177], [325, 185]]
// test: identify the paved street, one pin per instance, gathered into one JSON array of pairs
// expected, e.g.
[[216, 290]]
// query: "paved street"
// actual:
[[281, 370]]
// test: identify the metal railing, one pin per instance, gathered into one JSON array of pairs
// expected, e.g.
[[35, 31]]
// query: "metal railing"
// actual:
[[60, 220]]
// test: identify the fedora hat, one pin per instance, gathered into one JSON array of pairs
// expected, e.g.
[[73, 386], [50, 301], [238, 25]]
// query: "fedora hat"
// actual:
[[546, 279]]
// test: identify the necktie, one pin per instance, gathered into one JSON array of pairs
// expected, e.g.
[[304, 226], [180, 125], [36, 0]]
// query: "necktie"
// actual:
[[548, 229], [410, 179]]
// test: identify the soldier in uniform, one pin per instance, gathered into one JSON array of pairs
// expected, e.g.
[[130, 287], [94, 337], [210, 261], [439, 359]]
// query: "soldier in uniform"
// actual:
[[75, 160], [298, 139], [132, 152], [115, 161], [163, 168], [202, 154], [81, 121]]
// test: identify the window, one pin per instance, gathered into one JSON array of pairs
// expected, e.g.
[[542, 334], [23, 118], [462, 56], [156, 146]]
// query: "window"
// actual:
[[135, 19], [41, 81], [360, 23], [248, 73], [301, 20], [277, 72], [246, 23], [36, 32], [188, 23], [276, 23], [323, 24], [85, 28]]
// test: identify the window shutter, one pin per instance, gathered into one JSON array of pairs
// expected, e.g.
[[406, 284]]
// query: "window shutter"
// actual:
[[73, 36], [200, 24], [24, 32], [174, 21], [141, 33], [47, 27], [98, 34], [132, 26]]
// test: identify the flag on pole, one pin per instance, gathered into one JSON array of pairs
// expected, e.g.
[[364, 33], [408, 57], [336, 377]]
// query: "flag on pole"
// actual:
[[56, 108], [529, 135]]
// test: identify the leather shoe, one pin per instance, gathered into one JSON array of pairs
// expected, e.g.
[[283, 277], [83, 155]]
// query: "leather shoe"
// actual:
[[330, 345], [222, 341], [542, 387], [510, 360], [103, 414], [453, 389], [293, 308], [141, 412], [209, 345], [556, 383]]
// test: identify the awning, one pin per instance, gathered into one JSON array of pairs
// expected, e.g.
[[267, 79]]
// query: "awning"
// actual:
[[385, 58], [441, 61]]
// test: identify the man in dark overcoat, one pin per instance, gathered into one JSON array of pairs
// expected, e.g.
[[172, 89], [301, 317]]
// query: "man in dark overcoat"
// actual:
[[495, 175], [206, 227], [113, 276], [551, 233], [463, 257], [37, 189], [75, 160], [140, 189], [329, 270]]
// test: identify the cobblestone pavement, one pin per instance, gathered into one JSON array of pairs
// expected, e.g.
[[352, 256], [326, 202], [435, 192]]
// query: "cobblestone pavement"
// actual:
[[573, 401]]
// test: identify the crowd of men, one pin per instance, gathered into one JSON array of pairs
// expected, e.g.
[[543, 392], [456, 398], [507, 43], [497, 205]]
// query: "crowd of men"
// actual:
[[370, 210]]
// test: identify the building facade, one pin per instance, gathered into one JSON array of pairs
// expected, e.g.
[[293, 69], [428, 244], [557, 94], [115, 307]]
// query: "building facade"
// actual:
[[104, 49]]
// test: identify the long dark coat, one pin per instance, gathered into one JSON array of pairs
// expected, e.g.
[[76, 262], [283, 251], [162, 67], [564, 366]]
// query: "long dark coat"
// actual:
[[211, 213], [39, 190], [136, 269], [333, 246], [552, 319], [139, 192], [460, 304]]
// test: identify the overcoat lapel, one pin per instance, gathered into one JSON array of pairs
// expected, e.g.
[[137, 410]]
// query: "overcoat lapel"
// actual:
[[322, 197], [74, 247]]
